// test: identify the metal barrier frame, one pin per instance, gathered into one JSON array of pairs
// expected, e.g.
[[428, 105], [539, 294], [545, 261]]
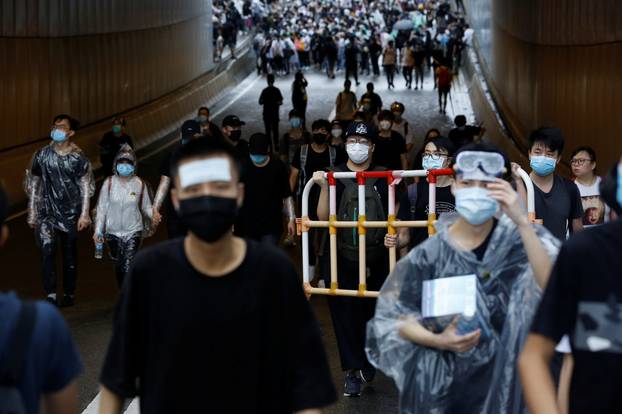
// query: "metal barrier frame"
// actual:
[[393, 178]]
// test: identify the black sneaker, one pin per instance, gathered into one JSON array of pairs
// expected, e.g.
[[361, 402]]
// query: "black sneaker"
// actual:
[[68, 300], [52, 300], [368, 374], [352, 387]]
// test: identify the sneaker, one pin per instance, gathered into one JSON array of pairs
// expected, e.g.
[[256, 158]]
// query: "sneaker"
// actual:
[[68, 300], [352, 387], [52, 299], [368, 374]]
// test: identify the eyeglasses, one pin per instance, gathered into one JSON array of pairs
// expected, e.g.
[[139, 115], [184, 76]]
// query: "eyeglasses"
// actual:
[[354, 140], [434, 155], [579, 161]]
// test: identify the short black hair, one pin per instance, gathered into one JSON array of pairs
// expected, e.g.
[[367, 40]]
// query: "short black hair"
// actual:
[[370, 86], [270, 78], [552, 138], [294, 113], [73, 123], [321, 123], [444, 143], [203, 108], [4, 206], [460, 120], [201, 147], [485, 147], [589, 150], [385, 114]]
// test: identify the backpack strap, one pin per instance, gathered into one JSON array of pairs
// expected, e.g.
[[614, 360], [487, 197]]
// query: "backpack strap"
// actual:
[[332, 155], [18, 344], [412, 197], [109, 186]]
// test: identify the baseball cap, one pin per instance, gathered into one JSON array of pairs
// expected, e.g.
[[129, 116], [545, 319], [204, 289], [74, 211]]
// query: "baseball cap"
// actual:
[[190, 128], [258, 144], [232, 120], [361, 129]]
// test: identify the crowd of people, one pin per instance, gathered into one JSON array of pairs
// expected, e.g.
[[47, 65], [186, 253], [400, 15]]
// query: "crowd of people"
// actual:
[[492, 314]]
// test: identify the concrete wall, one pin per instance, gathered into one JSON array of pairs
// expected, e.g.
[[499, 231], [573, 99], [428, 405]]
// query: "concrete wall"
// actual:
[[554, 62]]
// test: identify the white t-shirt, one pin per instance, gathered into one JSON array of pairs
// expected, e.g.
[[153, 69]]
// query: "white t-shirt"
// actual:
[[595, 211]]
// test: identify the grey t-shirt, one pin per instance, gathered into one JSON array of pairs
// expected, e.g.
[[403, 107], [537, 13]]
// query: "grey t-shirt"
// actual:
[[559, 207]]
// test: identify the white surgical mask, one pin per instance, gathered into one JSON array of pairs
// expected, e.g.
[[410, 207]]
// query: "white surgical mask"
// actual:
[[337, 133], [385, 125], [358, 153]]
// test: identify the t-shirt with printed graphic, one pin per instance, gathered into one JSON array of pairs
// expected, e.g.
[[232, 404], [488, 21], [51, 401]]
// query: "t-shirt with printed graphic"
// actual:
[[595, 211], [583, 298]]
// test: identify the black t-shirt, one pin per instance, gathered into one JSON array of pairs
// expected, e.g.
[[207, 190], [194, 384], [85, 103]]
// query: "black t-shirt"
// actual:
[[264, 191], [271, 99], [375, 100], [388, 151], [583, 299], [246, 342], [480, 250], [559, 206], [445, 203], [464, 136]]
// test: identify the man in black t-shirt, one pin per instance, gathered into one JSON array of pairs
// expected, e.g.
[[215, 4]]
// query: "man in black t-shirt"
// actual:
[[389, 145], [464, 134], [583, 299], [266, 195], [375, 102], [212, 322], [111, 143], [271, 100]]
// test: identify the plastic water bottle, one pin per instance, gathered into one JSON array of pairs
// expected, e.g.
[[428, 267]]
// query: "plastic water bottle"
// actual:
[[99, 250]]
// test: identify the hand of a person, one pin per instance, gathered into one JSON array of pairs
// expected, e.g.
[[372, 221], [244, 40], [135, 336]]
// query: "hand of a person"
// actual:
[[156, 217], [509, 201], [390, 240], [98, 238], [318, 178], [291, 228], [515, 169], [84, 222], [449, 340]]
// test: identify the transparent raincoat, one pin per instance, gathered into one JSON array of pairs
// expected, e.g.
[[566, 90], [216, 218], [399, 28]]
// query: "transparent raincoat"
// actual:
[[483, 379], [124, 204], [59, 187]]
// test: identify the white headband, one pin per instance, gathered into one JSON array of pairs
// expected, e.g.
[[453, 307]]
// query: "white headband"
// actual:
[[204, 171]]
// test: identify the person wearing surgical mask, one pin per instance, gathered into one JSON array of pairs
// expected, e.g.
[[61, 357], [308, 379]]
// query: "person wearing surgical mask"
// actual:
[[414, 203], [558, 200], [337, 138], [350, 315], [294, 138], [59, 185], [390, 145], [208, 128], [268, 196], [124, 213], [111, 142], [506, 260], [226, 304]]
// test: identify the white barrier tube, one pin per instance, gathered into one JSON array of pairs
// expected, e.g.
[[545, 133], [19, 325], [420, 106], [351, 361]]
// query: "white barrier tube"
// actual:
[[531, 203]]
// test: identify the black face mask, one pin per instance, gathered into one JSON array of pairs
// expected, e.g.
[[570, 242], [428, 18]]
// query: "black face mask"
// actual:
[[319, 139], [235, 135], [208, 217]]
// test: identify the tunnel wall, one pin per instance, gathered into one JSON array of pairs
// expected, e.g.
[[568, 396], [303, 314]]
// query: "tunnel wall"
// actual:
[[555, 63], [94, 58]]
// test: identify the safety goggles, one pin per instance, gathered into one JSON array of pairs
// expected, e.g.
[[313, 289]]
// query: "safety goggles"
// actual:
[[480, 165]]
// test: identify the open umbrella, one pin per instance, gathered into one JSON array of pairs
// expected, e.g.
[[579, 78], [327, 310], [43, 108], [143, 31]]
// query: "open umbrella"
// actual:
[[404, 24]]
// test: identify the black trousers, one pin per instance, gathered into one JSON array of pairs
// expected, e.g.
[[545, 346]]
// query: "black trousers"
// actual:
[[122, 253], [350, 314], [352, 70], [47, 238], [374, 65], [408, 75], [272, 132]]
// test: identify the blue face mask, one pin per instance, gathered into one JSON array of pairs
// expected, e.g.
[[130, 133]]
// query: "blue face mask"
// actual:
[[58, 135], [295, 122], [201, 119], [475, 205], [542, 165], [432, 164], [258, 159], [116, 129], [125, 170], [619, 192]]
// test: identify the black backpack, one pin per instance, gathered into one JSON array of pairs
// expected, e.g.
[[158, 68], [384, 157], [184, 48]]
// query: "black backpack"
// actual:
[[11, 400], [304, 154], [348, 239]]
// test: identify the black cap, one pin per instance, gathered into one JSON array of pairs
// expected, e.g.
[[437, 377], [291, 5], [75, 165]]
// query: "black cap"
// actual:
[[4, 206], [232, 120], [190, 128], [258, 144], [361, 129]]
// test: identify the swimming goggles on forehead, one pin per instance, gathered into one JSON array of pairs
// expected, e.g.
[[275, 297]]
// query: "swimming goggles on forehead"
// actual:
[[480, 165]]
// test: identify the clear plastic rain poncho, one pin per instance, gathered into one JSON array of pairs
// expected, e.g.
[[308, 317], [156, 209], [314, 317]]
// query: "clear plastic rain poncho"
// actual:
[[483, 379], [124, 205], [59, 187]]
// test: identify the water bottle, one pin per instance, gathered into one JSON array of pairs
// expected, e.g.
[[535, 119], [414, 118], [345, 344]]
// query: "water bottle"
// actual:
[[99, 250]]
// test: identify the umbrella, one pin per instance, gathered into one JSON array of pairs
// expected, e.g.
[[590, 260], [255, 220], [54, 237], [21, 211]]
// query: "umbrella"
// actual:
[[403, 24]]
